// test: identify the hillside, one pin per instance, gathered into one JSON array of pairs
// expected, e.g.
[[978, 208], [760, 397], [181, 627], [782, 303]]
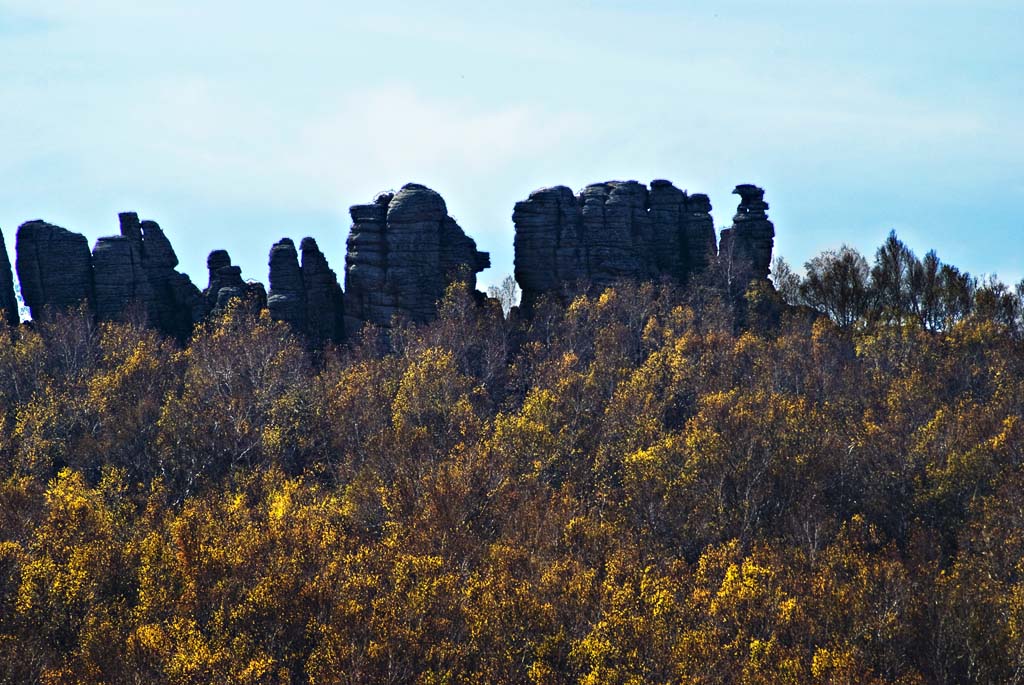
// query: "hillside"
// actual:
[[813, 481]]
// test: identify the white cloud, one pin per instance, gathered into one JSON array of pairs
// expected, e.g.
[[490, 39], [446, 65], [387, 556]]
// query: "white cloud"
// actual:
[[224, 145], [393, 129]]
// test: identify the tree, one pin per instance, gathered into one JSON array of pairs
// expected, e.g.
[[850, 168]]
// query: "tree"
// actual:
[[891, 279], [507, 293], [837, 285], [786, 281]]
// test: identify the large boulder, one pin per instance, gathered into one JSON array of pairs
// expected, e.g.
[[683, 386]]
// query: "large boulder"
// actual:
[[54, 268], [403, 252]]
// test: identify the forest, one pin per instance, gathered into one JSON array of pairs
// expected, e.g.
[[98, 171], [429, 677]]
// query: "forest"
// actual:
[[817, 480]]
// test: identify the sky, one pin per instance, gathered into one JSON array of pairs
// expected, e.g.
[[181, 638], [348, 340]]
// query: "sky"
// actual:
[[234, 124]]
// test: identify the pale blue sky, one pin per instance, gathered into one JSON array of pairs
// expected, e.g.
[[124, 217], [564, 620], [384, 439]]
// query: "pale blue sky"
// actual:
[[235, 123]]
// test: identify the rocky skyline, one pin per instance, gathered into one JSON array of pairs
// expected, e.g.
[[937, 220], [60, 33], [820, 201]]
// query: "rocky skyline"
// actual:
[[402, 252], [258, 122]]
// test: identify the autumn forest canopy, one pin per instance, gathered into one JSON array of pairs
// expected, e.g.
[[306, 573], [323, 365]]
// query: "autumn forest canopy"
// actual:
[[813, 480]]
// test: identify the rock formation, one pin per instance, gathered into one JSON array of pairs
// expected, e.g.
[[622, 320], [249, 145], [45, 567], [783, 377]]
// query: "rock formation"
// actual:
[[226, 283], [286, 298], [610, 231], [325, 302], [54, 268], [125, 274], [176, 304], [747, 246], [120, 282], [684, 232], [308, 296], [403, 252], [134, 272], [8, 302]]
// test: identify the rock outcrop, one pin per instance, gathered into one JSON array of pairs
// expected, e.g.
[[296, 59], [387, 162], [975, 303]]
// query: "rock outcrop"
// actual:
[[684, 232], [610, 231], [226, 284], [308, 297], [125, 275], [8, 302], [134, 273], [54, 268], [403, 252], [175, 304], [286, 298], [325, 302], [747, 246], [121, 285]]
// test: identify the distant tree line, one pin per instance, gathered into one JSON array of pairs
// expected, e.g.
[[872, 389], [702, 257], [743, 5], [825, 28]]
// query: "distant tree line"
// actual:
[[899, 287]]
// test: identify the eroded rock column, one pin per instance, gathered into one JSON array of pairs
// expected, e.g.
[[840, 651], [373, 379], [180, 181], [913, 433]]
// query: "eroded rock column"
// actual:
[[403, 252], [54, 268], [747, 246]]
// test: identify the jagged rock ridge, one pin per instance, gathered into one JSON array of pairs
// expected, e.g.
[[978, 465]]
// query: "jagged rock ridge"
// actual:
[[125, 274], [403, 251], [176, 304]]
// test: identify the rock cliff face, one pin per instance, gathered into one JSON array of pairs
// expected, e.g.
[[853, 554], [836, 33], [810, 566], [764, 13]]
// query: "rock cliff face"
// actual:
[[54, 268], [610, 231], [747, 246], [403, 252], [125, 275], [8, 302]]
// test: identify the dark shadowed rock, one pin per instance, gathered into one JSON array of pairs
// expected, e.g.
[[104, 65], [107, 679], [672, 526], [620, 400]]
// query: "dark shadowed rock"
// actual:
[[548, 244], [610, 231], [325, 302], [366, 261], [747, 246], [226, 283], [701, 243], [403, 252], [286, 298], [121, 285], [54, 268], [176, 304], [8, 302], [616, 231]]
